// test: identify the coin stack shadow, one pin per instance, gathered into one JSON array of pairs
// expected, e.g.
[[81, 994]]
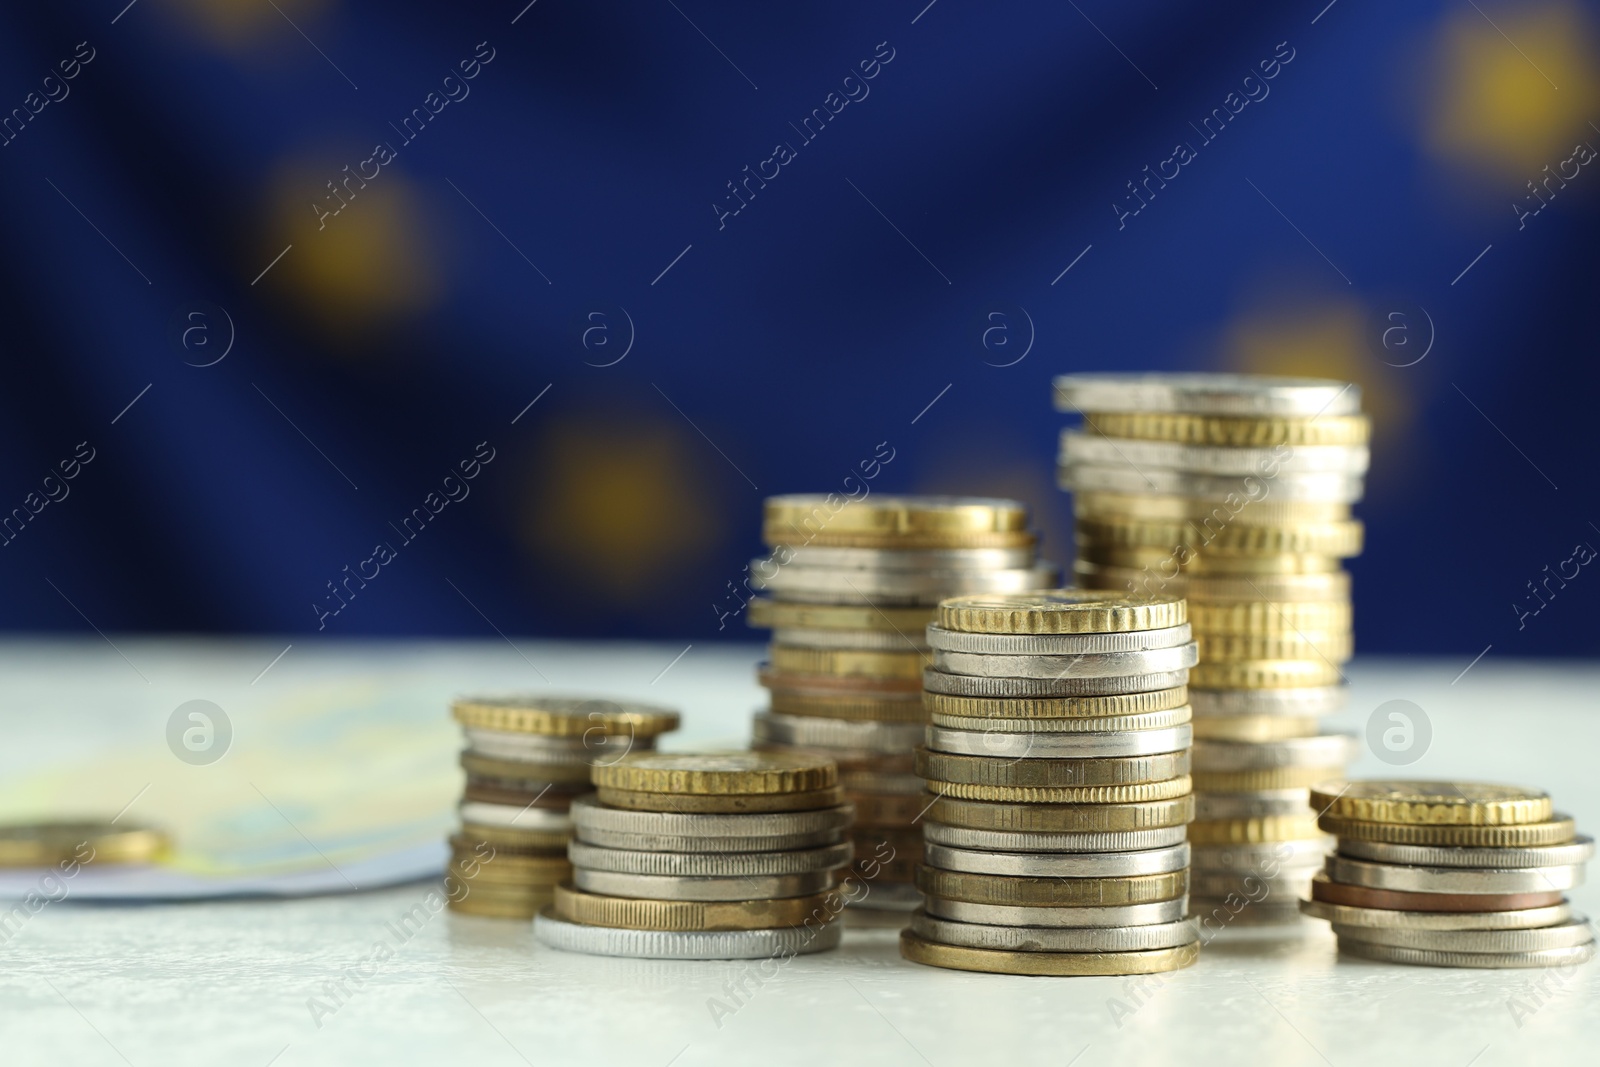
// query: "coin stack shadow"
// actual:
[[1451, 874], [851, 586], [1058, 756], [704, 856], [527, 757], [1234, 491]]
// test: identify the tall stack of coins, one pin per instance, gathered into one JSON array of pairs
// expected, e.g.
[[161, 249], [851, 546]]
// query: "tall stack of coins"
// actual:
[[1451, 874], [1057, 760], [527, 757], [851, 585], [731, 855], [1234, 491]]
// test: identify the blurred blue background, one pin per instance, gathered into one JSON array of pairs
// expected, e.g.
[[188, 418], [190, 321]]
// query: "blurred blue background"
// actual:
[[559, 227]]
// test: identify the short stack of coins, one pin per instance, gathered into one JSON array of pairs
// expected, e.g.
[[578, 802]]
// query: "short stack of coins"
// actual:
[[851, 585], [1234, 491], [526, 758], [1451, 874], [727, 855], [1057, 761]]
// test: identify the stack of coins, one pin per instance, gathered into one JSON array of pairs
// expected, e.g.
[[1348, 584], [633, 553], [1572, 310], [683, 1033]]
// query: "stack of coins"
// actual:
[[852, 585], [1234, 491], [704, 856], [1451, 874], [1058, 759], [527, 757]]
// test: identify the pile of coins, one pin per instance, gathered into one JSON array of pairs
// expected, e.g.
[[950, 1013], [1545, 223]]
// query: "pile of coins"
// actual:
[[526, 758], [1058, 760], [851, 585], [704, 856], [1234, 491], [1451, 874]]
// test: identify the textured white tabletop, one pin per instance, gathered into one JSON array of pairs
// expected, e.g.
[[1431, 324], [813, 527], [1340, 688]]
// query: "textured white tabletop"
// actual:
[[231, 982]]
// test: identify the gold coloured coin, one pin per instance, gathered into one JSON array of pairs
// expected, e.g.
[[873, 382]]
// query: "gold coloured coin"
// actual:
[[1232, 431], [1195, 562], [1240, 511], [1255, 728], [887, 809], [1260, 830], [1558, 831], [999, 961], [1264, 674], [1431, 803], [1096, 707], [1263, 778], [1171, 789], [783, 614], [48, 844], [1050, 773], [801, 514], [815, 685], [1019, 892], [1061, 818], [509, 906], [563, 716], [777, 535], [500, 837], [1338, 538], [718, 773], [722, 803], [575, 905], [1294, 645], [848, 706], [847, 662], [1265, 618], [519, 771], [1058, 611]]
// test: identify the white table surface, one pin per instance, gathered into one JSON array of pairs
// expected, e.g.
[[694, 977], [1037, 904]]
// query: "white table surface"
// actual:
[[229, 982]]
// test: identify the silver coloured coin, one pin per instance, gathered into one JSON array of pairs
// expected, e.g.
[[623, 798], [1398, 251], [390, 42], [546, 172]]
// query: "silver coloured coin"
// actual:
[[1581, 850], [1215, 807], [1055, 938], [1165, 911], [1276, 855], [1325, 488], [1108, 724], [1570, 934], [1555, 957], [515, 817], [1303, 702], [1018, 841], [1349, 916], [563, 751], [1216, 914], [908, 559], [678, 945], [1040, 745], [1057, 644], [1084, 665], [1058, 865], [1453, 879], [667, 843], [1080, 447], [825, 585], [589, 814], [965, 685], [852, 640], [685, 887], [1207, 394], [1323, 750], [814, 731], [710, 864]]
